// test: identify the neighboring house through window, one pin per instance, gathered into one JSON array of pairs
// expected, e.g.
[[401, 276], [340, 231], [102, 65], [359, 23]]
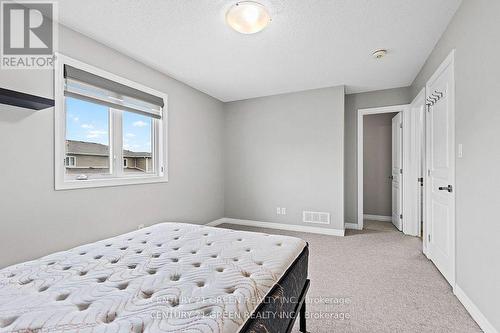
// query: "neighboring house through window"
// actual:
[[115, 127]]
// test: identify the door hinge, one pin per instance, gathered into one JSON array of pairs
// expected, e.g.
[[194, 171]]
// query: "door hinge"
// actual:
[[429, 238], [421, 181], [401, 216], [401, 125], [401, 171], [428, 172]]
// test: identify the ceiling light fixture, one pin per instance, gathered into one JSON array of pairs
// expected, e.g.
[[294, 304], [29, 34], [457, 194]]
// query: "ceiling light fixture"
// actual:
[[379, 54], [248, 17]]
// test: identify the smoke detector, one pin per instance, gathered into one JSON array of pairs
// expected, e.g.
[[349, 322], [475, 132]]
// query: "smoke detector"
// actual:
[[379, 54]]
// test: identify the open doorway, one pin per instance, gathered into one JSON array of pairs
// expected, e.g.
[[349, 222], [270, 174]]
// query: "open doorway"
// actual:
[[381, 167], [383, 182], [390, 165]]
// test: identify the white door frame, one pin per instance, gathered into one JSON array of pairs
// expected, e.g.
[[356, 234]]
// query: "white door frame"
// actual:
[[416, 163], [404, 109]]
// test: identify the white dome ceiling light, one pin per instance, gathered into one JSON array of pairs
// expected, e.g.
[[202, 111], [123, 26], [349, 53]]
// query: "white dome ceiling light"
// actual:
[[248, 17]]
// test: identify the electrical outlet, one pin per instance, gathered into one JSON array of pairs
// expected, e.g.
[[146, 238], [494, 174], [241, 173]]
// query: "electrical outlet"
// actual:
[[140, 226], [280, 211]]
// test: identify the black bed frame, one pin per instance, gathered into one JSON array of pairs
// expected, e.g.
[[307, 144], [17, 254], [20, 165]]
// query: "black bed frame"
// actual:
[[299, 310], [302, 306]]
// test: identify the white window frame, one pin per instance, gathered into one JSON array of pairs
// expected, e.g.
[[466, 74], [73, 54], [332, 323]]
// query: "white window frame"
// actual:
[[117, 177], [69, 159]]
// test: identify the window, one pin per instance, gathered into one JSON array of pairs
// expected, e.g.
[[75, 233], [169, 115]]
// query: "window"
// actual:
[[137, 138], [70, 161], [87, 136], [114, 127]]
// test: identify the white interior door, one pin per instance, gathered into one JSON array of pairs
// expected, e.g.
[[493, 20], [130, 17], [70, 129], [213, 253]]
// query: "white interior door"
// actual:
[[440, 191], [420, 156], [397, 169], [413, 170]]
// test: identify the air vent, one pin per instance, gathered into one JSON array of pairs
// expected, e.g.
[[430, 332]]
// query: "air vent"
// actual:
[[316, 217]]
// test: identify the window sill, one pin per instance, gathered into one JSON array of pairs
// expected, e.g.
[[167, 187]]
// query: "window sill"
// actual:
[[93, 183]]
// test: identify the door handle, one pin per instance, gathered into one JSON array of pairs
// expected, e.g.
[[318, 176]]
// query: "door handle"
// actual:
[[448, 188]]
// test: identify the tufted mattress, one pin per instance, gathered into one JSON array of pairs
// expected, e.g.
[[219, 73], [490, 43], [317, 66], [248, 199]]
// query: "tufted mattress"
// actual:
[[171, 277]]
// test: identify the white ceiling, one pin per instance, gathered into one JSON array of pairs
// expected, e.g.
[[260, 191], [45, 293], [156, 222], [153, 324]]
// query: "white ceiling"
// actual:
[[309, 44]]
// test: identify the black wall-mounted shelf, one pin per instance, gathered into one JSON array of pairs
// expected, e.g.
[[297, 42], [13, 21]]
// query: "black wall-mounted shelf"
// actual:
[[16, 98]]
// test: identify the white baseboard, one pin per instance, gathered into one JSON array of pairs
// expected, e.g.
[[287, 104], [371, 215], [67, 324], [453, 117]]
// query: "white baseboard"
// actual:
[[215, 222], [281, 226], [353, 226], [381, 218], [475, 313]]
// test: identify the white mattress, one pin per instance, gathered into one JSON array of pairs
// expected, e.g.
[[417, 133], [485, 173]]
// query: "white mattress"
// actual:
[[171, 277]]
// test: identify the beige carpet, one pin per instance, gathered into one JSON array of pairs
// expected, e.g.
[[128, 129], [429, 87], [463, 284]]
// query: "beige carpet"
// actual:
[[384, 281]]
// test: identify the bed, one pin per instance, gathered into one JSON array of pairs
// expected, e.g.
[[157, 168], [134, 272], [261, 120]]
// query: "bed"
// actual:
[[171, 277]]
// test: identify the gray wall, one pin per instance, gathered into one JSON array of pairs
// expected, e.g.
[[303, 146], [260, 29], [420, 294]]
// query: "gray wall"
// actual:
[[475, 34], [285, 151], [36, 220], [353, 103], [377, 164]]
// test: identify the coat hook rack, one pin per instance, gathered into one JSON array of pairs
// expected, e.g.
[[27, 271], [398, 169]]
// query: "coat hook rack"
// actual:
[[434, 98]]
